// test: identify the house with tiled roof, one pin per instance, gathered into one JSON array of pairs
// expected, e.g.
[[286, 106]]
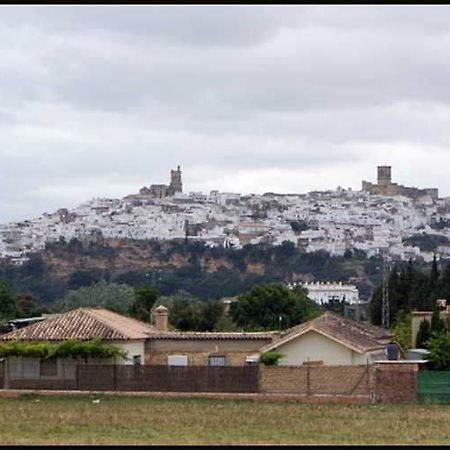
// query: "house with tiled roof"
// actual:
[[328, 339], [205, 348], [144, 343], [331, 339], [81, 324]]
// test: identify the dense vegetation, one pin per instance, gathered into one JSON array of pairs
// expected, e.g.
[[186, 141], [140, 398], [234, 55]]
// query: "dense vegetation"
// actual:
[[412, 287], [191, 291], [273, 306], [426, 242], [285, 262], [71, 348], [266, 306]]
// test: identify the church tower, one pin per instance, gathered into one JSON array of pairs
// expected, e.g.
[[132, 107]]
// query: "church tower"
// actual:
[[175, 181]]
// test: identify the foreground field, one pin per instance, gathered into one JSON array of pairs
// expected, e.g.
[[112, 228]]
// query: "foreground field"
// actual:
[[140, 420]]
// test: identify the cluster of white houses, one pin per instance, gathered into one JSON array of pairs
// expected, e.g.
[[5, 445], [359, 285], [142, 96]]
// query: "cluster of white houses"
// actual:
[[335, 221]]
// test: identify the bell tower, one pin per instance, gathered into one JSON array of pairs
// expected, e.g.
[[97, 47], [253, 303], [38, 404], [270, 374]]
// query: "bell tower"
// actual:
[[175, 181]]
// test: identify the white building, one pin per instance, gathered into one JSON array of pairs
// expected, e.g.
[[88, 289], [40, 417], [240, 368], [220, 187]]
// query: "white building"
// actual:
[[324, 292]]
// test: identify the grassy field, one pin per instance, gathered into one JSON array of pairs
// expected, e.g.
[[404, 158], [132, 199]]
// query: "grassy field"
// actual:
[[141, 420]]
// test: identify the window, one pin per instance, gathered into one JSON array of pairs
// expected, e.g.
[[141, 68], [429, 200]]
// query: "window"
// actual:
[[177, 360], [137, 360], [216, 360], [48, 367]]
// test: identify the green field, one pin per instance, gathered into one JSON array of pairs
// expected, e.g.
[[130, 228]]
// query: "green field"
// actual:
[[143, 420]]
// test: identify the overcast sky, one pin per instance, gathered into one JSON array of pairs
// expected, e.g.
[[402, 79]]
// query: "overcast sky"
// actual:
[[98, 101]]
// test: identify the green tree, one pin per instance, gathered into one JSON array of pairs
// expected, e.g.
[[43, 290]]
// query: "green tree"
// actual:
[[145, 299], [183, 310], [402, 329], [439, 347], [273, 306], [184, 315], [437, 324], [225, 323], [434, 273], [9, 307], [424, 334], [116, 297], [210, 312]]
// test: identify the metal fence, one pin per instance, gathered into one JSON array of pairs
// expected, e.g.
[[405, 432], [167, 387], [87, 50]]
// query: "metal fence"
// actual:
[[433, 387], [100, 377], [385, 383], [167, 378]]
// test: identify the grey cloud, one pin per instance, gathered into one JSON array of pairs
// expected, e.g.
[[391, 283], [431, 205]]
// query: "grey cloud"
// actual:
[[192, 25], [96, 99]]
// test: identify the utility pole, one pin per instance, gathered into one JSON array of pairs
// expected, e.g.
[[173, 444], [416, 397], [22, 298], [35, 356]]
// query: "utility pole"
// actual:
[[385, 320], [186, 231]]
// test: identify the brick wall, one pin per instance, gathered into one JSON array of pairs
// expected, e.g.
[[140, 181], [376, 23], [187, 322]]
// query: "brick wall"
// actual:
[[283, 379], [198, 358], [339, 380], [395, 383], [198, 351]]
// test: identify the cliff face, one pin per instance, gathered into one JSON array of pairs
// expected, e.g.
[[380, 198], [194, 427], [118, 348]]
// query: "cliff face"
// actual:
[[184, 266], [123, 255]]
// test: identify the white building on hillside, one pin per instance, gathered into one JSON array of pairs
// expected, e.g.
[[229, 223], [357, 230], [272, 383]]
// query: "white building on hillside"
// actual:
[[326, 292]]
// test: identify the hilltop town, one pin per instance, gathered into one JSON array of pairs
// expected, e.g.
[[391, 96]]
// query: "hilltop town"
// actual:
[[382, 217]]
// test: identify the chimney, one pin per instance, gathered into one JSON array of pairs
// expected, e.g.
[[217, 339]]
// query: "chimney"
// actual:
[[161, 318]]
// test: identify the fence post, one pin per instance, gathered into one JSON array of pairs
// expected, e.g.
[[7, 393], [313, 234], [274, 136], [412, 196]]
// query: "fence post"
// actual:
[[368, 377], [6, 374], [375, 384], [308, 378]]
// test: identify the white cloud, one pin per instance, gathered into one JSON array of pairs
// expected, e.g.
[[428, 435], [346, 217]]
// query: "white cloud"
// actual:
[[102, 100]]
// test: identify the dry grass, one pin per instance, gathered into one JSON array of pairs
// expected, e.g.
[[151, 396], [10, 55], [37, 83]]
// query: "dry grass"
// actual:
[[141, 420]]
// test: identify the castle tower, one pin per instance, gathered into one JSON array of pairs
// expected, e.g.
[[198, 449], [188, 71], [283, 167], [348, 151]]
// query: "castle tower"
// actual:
[[175, 181], [384, 175]]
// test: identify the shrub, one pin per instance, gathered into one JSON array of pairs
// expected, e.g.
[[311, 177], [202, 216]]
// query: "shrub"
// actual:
[[424, 334], [94, 348], [270, 358], [439, 347]]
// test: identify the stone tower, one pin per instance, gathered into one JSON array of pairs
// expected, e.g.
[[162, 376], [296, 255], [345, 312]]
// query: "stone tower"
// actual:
[[384, 175], [175, 181]]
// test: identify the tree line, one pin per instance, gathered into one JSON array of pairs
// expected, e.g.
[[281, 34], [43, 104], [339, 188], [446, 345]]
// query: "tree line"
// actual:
[[281, 263], [412, 287], [269, 306]]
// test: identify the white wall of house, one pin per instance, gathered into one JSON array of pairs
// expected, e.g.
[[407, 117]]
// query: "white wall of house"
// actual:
[[65, 368], [133, 348], [317, 347]]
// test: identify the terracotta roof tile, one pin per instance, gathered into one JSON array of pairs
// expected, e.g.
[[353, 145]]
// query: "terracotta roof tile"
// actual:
[[213, 335], [361, 337], [83, 323]]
